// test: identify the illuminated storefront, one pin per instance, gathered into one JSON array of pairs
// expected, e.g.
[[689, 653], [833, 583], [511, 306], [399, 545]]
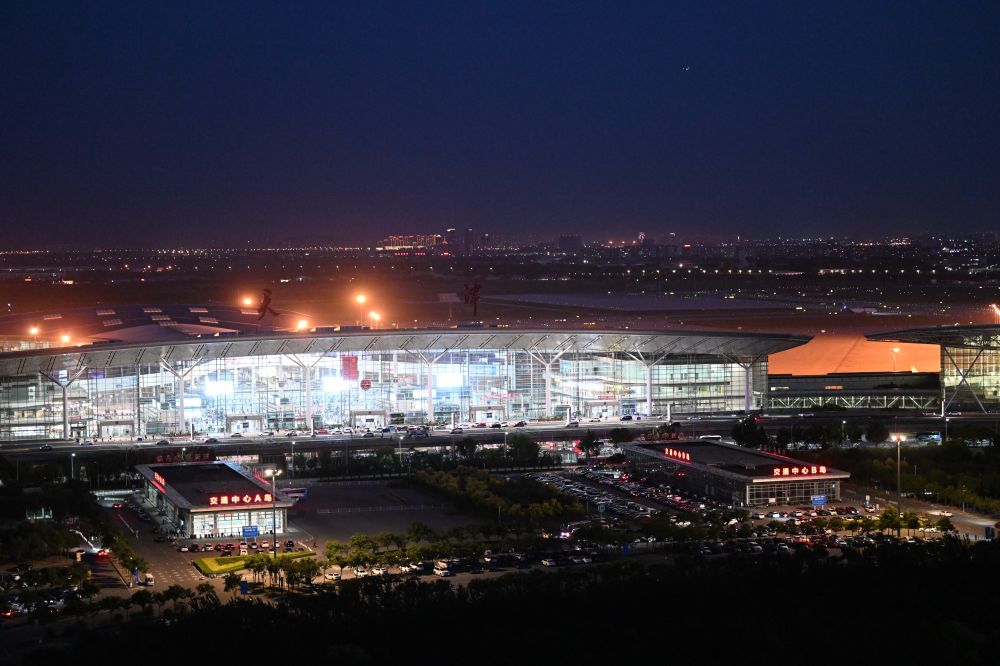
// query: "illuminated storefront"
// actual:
[[288, 381], [736, 475], [216, 499]]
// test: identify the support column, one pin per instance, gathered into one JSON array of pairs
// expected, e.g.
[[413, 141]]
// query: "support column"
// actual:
[[65, 411], [137, 421], [307, 377], [747, 387], [548, 388], [180, 402], [430, 391], [649, 390]]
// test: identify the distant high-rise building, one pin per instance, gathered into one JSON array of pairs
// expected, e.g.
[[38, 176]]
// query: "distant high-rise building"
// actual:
[[411, 242], [470, 243], [451, 239]]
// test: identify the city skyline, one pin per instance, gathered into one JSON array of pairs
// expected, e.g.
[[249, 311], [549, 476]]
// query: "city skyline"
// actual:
[[211, 126]]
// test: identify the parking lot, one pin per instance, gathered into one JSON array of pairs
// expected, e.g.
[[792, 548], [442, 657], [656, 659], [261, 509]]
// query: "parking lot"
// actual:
[[337, 511]]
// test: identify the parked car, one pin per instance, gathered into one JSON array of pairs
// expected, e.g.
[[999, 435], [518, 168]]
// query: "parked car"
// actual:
[[45, 447]]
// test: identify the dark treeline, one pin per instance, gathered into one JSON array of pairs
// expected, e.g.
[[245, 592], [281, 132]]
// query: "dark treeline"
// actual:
[[894, 604]]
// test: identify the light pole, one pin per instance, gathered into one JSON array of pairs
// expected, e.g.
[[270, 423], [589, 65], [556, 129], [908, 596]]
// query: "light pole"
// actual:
[[360, 298], [274, 474], [373, 319], [843, 424], [899, 490], [293, 459], [183, 449], [946, 429], [71, 457], [895, 350], [400, 449], [505, 444]]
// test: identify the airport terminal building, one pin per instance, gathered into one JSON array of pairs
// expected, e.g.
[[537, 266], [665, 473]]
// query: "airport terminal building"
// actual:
[[736, 475], [970, 363], [226, 382]]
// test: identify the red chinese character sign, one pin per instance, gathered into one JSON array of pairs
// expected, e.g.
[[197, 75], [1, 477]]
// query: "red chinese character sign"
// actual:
[[799, 470], [236, 500], [677, 455], [366, 384]]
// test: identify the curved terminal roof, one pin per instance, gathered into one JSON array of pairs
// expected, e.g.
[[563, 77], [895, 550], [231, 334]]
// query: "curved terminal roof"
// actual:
[[646, 345], [973, 337]]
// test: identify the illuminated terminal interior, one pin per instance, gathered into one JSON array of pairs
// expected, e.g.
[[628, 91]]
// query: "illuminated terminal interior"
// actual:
[[309, 380]]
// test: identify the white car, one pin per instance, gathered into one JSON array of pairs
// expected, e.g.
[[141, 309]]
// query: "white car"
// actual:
[[331, 575], [444, 573], [548, 562]]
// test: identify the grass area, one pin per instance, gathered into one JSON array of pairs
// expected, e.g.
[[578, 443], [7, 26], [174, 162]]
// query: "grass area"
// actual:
[[213, 566]]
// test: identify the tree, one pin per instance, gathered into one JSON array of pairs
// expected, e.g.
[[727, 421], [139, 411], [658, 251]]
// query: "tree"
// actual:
[[523, 448], [910, 520], [589, 443], [853, 432], [889, 519], [944, 524], [467, 448], [876, 432], [621, 435], [232, 582], [207, 597], [143, 599]]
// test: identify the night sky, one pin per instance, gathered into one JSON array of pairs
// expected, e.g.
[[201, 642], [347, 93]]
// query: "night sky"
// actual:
[[152, 124]]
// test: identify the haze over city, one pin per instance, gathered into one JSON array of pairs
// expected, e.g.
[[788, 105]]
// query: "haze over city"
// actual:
[[140, 125]]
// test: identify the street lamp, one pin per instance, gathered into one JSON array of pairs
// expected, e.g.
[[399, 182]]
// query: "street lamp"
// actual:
[[293, 459], [895, 350], [274, 474], [400, 449], [843, 424], [505, 443], [373, 318], [899, 491], [301, 325], [183, 449], [946, 429], [71, 457], [360, 298], [247, 301], [64, 338]]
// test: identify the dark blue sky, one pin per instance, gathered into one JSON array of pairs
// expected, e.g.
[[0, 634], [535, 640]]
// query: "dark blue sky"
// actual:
[[140, 123]]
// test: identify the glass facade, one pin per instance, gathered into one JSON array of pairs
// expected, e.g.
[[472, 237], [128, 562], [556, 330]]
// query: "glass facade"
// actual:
[[980, 369], [276, 391]]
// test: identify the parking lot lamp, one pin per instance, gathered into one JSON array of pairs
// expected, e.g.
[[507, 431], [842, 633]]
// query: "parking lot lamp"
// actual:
[[274, 473]]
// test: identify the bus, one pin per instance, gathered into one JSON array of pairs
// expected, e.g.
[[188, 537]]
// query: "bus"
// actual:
[[296, 494]]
